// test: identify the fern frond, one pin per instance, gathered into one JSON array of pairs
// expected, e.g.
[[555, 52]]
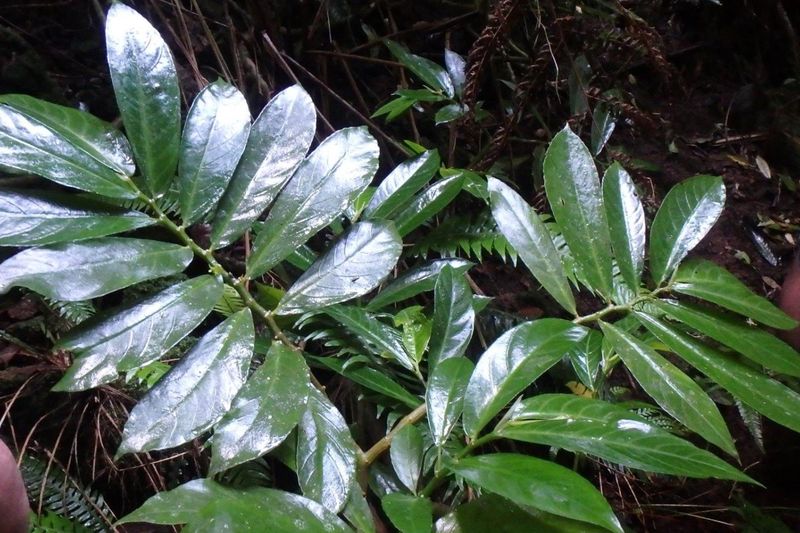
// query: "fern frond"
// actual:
[[168, 203], [471, 237], [229, 303], [255, 473], [50, 522], [72, 312], [64, 495]]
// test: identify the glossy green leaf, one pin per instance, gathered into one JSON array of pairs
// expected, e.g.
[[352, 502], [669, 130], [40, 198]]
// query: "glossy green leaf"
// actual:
[[278, 140], [612, 433], [84, 131], [213, 139], [674, 391], [195, 394], [764, 394], [706, 280], [526, 480], [415, 281], [444, 396], [573, 190], [202, 502], [523, 228], [358, 512], [401, 184], [492, 513], [320, 190], [409, 514], [603, 124], [752, 342], [79, 271], [406, 454], [428, 203], [356, 263], [31, 218], [449, 113], [382, 339], [371, 378], [688, 212], [587, 357], [264, 412], [326, 453], [27, 145], [511, 363], [136, 335], [453, 317], [148, 97], [626, 223], [426, 70]]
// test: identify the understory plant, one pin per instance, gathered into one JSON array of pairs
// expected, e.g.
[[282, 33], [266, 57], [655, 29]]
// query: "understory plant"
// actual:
[[314, 234]]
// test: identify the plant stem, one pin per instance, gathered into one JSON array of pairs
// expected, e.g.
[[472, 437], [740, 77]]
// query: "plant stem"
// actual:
[[239, 284], [626, 307], [369, 456]]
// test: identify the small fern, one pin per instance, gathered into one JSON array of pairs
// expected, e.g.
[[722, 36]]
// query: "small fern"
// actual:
[[72, 312], [255, 473], [472, 237], [229, 303], [64, 495], [50, 522]]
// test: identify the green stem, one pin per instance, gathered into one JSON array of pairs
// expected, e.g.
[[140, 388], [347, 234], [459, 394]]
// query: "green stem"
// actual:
[[377, 449], [441, 475], [239, 284], [626, 307]]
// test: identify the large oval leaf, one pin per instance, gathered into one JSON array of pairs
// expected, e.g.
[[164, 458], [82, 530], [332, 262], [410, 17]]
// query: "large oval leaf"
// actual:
[[407, 455], [88, 269], [265, 411], [30, 218], [674, 391], [526, 480], [326, 453], [136, 335], [626, 223], [196, 392], [599, 428], [146, 89], [324, 185], [27, 145], [513, 362], [428, 203], [84, 131], [492, 513], [401, 184], [409, 514], [706, 280], [201, 502], [213, 140], [521, 226], [453, 317], [415, 281], [356, 263], [752, 342], [767, 396], [278, 140], [573, 190], [689, 210], [444, 396]]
